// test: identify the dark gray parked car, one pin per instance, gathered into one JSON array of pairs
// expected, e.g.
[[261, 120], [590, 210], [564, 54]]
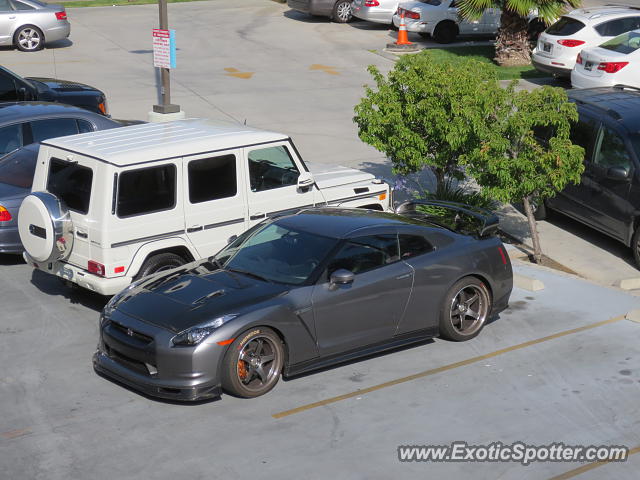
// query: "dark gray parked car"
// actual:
[[302, 292], [22, 126]]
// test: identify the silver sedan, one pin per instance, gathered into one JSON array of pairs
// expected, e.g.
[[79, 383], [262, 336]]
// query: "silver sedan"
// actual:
[[378, 11], [29, 24]]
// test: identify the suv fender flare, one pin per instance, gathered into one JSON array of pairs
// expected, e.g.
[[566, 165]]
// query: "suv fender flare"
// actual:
[[158, 246]]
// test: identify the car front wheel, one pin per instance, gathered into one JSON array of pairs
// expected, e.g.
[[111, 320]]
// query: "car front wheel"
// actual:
[[253, 363], [465, 309], [29, 39]]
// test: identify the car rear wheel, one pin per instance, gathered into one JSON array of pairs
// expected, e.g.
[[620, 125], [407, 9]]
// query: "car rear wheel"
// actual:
[[342, 11], [445, 32], [253, 363], [465, 309], [29, 39], [635, 245], [159, 263]]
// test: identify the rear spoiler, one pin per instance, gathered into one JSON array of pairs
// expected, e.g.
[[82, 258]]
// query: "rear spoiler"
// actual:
[[460, 218]]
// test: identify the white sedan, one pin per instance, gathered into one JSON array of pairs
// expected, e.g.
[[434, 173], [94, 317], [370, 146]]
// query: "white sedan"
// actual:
[[615, 62]]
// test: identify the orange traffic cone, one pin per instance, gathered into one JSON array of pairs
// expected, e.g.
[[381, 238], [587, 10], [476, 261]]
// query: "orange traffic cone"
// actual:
[[402, 44]]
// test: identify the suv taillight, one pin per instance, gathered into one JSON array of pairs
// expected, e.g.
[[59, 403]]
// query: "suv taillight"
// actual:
[[371, 3], [612, 67], [5, 216], [96, 268], [61, 15], [571, 43]]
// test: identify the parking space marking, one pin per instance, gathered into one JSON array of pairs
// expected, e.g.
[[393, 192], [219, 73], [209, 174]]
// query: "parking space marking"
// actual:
[[444, 368], [234, 72], [324, 68], [589, 466]]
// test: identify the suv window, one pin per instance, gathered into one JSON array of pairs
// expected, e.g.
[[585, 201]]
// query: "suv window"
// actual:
[[212, 178], [271, 167], [10, 138], [413, 245], [54, 127], [8, 90], [71, 183], [615, 27], [146, 190], [611, 151], [627, 43], [565, 26], [362, 254]]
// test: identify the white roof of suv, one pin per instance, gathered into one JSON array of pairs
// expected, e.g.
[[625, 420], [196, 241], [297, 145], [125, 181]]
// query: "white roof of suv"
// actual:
[[156, 141], [590, 14]]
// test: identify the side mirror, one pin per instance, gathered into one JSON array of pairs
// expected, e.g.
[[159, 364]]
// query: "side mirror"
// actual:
[[305, 180], [341, 277], [232, 239], [617, 173]]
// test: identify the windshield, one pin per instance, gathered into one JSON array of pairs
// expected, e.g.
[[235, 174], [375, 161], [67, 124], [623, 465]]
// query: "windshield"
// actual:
[[17, 168], [276, 253], [626, 43]]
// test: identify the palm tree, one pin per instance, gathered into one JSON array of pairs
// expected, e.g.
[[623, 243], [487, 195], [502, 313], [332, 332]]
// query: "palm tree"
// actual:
[[512, 41]]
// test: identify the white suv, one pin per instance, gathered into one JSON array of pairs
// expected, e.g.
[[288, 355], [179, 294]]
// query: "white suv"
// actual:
[[109, 207], [558, 46]]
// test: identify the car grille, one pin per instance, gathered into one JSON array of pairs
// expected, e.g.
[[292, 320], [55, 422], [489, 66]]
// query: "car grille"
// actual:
[[126, 361], [145, 339]]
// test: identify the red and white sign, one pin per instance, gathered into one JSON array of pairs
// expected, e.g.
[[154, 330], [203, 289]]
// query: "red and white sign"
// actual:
[[162, 49]]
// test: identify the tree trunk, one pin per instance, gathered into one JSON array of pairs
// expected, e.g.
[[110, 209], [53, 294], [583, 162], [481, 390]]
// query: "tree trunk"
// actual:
[[440, 175], [533, 229], [512, 41]]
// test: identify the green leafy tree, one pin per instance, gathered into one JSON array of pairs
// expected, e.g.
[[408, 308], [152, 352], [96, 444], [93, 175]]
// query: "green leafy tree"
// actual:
[[421, 115], [525, 153], [512, 41]]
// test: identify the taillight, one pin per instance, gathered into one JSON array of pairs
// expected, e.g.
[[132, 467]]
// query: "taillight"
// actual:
[[612, 67], [371, 3], [5, 216], [502, 256], [61, 15], [408, 14], [96, 268], [571, 43], [579, 59]]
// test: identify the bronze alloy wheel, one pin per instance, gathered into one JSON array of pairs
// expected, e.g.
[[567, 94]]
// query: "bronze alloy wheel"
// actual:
[[466, 309]]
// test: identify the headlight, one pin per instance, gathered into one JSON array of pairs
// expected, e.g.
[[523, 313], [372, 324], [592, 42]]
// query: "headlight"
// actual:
[[195, 335]]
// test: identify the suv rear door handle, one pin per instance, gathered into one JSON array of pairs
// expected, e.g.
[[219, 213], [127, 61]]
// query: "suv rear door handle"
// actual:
[[257, 216], [194, 228]]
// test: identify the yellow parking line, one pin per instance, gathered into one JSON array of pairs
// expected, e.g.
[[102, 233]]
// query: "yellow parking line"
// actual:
[[444, 368], [589, 466]]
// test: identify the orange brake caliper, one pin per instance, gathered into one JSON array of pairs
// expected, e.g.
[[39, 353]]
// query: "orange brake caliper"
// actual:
[[242, 370]]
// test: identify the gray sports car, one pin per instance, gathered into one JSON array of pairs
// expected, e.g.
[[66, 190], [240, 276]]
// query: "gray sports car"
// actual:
[[302, 292]]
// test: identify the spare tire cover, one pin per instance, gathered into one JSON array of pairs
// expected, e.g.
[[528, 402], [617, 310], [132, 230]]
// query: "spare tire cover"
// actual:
[[45, 227]]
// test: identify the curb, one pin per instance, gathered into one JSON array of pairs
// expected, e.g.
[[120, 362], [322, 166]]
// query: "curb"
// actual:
[[633, 315], [531, 284]]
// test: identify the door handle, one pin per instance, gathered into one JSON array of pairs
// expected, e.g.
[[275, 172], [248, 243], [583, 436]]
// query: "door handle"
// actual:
[[257, 216], [81, 234], [194, 228], [406, 275]]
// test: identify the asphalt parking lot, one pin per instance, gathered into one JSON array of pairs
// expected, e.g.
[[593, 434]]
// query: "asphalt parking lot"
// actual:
[[548, 370]]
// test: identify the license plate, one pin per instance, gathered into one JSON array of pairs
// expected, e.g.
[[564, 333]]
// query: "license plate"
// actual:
[[67, 273], [547, 47], [588, 66]]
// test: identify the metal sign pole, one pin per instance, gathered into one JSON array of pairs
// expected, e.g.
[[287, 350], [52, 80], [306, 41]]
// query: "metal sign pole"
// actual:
[[165, 90]]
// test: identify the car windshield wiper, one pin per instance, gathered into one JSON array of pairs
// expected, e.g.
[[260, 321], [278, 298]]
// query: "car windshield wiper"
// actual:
[[249, 274]]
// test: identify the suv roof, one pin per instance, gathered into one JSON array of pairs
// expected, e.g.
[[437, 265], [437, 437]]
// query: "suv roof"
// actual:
[[622, 103], [594, 13], [137, 144]]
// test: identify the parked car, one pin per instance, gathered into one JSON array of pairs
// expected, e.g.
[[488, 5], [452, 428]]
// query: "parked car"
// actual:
[[111, 207], [22, 126], [302, 292], [558, 46], [30, 24], [616, 61], [440, 20], [377, 11], [15, 88], [338, 10], [608, 196]]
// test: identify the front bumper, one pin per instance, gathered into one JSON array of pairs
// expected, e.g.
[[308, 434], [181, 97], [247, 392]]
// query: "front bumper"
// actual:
[[10, 240]]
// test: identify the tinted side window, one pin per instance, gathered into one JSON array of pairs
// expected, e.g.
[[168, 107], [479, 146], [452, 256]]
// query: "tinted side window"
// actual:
[[55, 127], [565, 26], [582, 133], [413, 245], [84, 126], [8, 90], [10, 138], [212, 178], [612, 151], [22, 6], [146, 190], [5, 6], [618, 26], [71, 183], [362, 254], [271, 167]]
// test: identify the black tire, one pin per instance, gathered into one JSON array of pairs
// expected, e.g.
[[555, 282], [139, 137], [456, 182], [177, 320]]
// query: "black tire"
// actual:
[[28, 38], [424, 35], [342, 11], [635, 246], [460, 302], [540, 210], [158, 263], [245, 373], [445, 32]]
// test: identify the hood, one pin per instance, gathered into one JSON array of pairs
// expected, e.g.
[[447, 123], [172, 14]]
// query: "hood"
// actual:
[[332, 175], [186, 297], [62, 86]]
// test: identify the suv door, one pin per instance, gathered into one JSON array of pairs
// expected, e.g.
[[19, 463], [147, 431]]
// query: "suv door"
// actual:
[[215, 203], [272, 172], [607, 197]]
